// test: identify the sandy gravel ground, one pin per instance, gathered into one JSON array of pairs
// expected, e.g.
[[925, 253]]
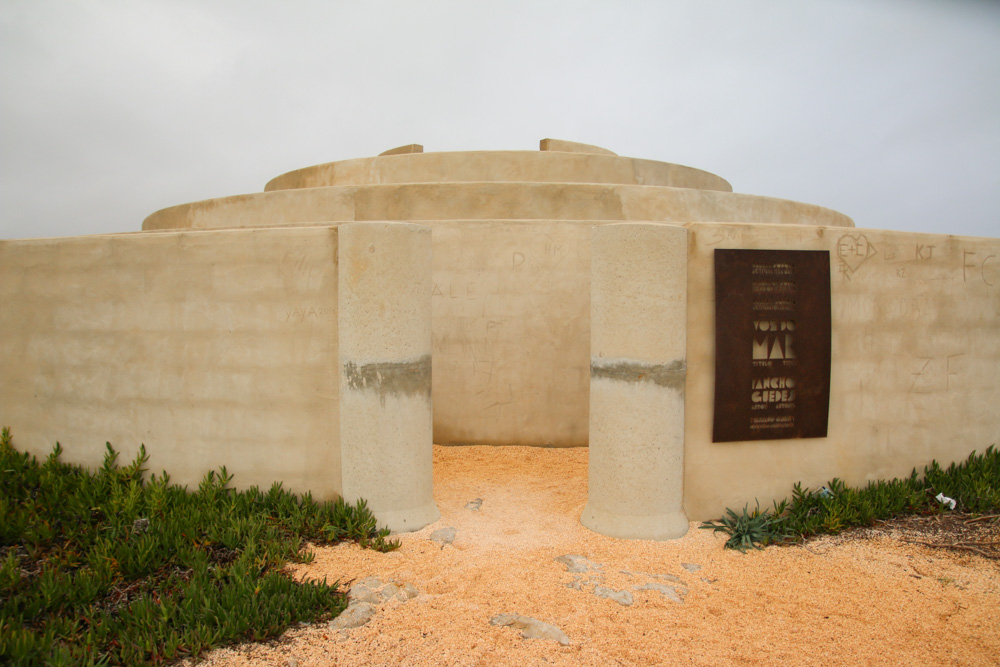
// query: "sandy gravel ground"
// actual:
[[835, 601]]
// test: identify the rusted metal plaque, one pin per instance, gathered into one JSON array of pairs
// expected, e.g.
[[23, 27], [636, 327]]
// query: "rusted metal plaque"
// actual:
[[772, 344]]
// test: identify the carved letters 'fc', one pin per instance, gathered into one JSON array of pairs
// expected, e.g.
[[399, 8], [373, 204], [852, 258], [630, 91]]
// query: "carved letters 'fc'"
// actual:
[[772, 344]]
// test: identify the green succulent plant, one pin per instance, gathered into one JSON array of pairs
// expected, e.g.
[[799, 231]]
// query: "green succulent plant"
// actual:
[[113, 568], [974, 484], [750, 529]]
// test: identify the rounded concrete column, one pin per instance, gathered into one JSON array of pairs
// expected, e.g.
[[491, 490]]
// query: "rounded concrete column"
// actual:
[[384, 329], [637, 373]]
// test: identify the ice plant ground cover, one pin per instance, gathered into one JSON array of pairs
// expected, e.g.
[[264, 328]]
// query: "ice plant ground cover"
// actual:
[[971, 486], [113, 567]]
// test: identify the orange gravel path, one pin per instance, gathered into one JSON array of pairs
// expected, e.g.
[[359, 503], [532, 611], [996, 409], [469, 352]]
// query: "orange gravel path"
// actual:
[[832, 602]]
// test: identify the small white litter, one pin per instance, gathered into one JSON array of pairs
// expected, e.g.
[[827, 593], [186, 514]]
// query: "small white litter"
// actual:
[[945, 500]]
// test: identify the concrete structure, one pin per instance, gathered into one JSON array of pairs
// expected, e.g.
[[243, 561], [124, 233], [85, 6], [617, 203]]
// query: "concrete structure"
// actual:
[[915, 362], [302, 319], [297, 355], [637, 376], [384, 330], [511, 268]]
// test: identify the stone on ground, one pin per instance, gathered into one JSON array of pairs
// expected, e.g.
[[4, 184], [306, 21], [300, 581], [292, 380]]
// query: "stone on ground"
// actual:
[[623, 598], [356, 615], [576, 563], [531, 628], [443, 536], [367, 593], [668, 592]]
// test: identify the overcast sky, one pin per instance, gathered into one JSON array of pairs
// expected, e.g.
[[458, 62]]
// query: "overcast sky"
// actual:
[[887, 111]]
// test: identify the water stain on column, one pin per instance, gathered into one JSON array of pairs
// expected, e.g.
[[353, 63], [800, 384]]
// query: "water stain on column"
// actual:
[[391, 378], [670, 376]]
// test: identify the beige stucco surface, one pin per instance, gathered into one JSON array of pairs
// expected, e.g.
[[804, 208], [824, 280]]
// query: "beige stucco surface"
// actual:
[[915, 363], [544, 166], [636, 455], [426, 202], [211, 348], [511, 304]]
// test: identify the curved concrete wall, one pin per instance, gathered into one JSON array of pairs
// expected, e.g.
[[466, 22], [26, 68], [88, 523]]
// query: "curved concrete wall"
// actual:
[[572, 147], [489, 166], [511, 262], [511, 298], [426, 202], [312, 335]]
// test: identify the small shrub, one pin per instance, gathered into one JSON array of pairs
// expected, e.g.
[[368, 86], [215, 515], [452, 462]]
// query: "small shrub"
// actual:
[[754, 529]]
